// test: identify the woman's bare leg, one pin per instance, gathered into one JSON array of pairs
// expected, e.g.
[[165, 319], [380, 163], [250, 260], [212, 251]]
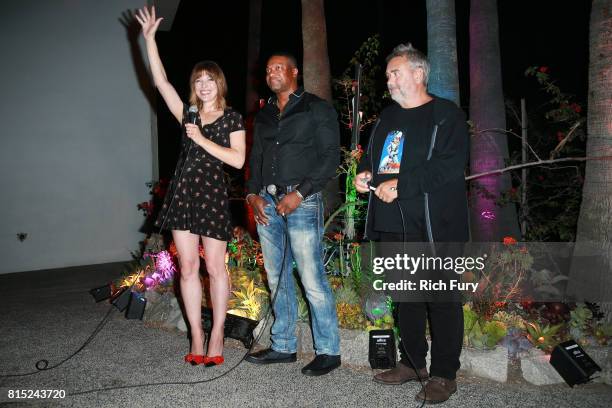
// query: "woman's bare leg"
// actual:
[[191, 286], [219, 291]]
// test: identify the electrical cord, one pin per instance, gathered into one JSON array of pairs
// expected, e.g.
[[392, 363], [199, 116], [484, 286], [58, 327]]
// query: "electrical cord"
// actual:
[[43, 364], [255, 341], [401, 343], [372, 189]]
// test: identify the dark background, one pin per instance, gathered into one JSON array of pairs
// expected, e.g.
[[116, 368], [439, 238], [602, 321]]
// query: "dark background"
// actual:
[[536, 32]]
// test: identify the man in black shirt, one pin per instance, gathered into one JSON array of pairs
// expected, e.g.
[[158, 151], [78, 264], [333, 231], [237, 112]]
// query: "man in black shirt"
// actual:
[[415, 166], [295, 153]]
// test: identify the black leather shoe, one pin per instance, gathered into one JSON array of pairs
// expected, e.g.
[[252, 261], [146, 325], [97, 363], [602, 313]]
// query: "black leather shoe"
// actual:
[[322, 364], [269, 356]]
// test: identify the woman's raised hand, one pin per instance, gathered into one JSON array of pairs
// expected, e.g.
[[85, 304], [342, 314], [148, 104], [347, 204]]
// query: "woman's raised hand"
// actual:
[[148, 22]]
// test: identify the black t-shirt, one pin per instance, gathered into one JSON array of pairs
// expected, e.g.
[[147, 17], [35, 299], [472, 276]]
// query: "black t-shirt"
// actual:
[[402, 139]]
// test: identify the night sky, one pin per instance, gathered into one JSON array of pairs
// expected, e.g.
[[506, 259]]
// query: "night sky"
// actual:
[[537, 32]]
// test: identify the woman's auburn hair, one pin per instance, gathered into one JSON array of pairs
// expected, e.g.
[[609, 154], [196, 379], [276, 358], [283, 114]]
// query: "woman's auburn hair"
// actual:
[[215, 72]]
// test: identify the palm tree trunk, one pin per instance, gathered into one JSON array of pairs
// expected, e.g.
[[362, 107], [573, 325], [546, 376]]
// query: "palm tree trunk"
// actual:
[[251, 96], [316, 71], [489, 149], [595, 220], [442, 49]]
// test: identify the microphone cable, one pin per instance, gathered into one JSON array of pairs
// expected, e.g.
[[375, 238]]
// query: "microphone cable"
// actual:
[[232, 368], [43, 364], [370, 150]]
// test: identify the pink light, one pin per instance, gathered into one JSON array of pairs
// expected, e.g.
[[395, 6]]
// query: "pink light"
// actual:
[[164, 265], [488, 214]]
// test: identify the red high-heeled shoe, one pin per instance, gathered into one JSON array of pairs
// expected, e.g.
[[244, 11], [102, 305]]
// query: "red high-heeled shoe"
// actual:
[[213, 361], [195, 359]]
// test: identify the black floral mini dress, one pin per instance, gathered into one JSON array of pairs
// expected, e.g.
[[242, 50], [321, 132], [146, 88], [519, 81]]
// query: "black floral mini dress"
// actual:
[[197, 198]]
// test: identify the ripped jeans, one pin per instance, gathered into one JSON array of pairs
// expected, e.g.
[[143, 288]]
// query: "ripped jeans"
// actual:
[[305, 232]]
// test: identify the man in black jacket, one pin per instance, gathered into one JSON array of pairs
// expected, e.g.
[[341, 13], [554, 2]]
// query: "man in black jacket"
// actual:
[[415, 167], [295, 153]]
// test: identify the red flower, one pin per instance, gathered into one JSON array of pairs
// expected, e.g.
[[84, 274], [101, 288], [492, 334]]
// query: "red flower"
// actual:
[[577, 108], [543, 70], [509, 241], [513, 191], [560, 136]]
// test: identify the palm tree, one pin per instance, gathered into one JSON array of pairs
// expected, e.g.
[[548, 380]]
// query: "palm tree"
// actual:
[[489, 145], [595, 220], [316, 71], [442, 49], [253, 55]]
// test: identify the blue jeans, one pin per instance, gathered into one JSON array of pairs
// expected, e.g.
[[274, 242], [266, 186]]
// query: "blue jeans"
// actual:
[[305, 229]]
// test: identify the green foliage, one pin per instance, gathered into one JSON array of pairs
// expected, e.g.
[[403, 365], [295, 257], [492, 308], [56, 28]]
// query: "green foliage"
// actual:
[[346, 294], [249, 299], [479, 333], [554, 193], [368, 56], [543, 336], [580, 317]]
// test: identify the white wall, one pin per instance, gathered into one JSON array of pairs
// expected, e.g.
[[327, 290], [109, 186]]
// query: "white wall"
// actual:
[[75, 135]]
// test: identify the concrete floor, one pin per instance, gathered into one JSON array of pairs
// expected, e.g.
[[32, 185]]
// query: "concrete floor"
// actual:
[[50, 314]]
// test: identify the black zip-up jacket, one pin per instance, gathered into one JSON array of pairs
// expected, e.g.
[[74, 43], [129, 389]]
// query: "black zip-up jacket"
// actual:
[[300, 147], [434, 182]]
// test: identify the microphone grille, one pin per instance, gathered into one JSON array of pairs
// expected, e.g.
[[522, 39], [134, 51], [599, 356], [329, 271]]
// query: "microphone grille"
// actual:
[[271, 189], [193, 109]]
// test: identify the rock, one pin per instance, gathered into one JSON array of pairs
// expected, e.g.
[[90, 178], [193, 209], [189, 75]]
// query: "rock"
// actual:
[[159, 308], [491, 364], [354, 346], [175, 316], [264, 340], [152, 296], [537, 369], [603, 357], [304, 339]]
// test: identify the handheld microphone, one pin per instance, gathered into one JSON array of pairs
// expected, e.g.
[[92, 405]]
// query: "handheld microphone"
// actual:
[[192, 115], [271, 189]]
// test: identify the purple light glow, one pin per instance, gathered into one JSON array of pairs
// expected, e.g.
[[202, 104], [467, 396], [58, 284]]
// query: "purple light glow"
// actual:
[[488, 215]]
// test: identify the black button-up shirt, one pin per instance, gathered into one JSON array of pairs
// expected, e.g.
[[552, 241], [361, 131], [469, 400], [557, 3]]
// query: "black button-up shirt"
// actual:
[[299, 147]]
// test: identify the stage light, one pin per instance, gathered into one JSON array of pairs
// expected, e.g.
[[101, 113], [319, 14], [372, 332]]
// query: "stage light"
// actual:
[[101, 293], [236, 327], [573, 363], [136, 306], [121, 299]]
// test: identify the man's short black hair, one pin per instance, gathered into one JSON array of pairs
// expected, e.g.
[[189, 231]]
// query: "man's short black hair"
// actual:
[[289, 56]]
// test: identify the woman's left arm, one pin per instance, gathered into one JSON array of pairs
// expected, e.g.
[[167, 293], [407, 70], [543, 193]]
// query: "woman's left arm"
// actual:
[[233, 155]]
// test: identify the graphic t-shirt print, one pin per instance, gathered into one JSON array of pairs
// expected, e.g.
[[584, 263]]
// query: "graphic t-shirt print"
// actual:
[[391, 156]]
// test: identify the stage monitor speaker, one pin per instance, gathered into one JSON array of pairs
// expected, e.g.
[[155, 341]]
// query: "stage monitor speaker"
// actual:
[[136, 306], [122, 299], [573, 363], [382, 353], [101, 293]]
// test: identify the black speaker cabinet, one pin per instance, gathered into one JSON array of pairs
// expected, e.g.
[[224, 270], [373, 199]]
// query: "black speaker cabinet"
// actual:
[[382, 353], [101, 293], [122, 299], [572, 363], [136, 307]]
